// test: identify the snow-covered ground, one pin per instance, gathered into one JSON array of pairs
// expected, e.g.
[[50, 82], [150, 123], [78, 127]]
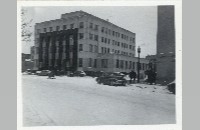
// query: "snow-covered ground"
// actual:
[[68, 101]]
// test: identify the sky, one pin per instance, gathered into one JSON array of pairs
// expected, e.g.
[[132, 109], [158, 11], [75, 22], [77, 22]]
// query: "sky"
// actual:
[[141, 20]]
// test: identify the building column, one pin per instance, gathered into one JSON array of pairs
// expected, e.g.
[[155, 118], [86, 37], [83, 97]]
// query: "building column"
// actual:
[[50, 52]]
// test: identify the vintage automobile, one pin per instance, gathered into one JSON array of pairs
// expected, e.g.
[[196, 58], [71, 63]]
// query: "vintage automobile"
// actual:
[[172, 87], [77, 73], [44, 73], [113, 79]]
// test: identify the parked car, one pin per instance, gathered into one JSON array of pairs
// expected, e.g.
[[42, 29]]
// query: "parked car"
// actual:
[[44, 73], [172, 87], [78, 73], [112, 79], [37, 72]]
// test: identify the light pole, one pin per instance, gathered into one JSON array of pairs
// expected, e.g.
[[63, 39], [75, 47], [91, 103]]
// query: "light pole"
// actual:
[[138, 68]]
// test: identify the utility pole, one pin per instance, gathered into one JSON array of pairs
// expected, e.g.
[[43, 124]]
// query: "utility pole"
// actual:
[[138, 67]]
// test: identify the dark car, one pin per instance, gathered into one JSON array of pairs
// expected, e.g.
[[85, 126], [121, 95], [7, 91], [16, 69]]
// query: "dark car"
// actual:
[[112, 79], [77, 73]]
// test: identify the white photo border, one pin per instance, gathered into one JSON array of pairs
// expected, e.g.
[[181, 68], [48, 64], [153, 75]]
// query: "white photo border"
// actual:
[[178, 28]]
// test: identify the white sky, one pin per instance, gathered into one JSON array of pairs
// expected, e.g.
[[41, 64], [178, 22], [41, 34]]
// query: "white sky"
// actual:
[[141, 20]]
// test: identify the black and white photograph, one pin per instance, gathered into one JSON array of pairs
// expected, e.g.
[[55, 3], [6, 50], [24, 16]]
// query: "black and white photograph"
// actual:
[[98, 65]]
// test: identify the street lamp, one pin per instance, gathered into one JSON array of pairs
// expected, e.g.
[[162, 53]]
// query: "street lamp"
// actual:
[[138, 68]]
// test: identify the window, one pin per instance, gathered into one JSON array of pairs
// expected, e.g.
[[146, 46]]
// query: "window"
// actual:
[[108, 41], [102, 49], [133, 40], [80, 47], [50, 29], [57, 28], [102, 39], [121, 64], [102, 29], [81, 25], [91, 25], [45, 30], [113, 42], [122, 36], [71, 26], [96, 27], [130, 64], [96, 38], [104, 63], [90, 62], [118, 43], [117, 63], [64, 27], [130, 46], [80, 62], [81, 35], [126, 64], [95, 63], [106, 30], [116, 34], [105, 40], [91, 36], [108, 50], [96, 48], [90, 48], [122, 44]]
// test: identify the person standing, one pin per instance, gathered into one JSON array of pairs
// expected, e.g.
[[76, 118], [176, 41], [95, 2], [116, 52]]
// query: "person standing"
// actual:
[[132, 76]]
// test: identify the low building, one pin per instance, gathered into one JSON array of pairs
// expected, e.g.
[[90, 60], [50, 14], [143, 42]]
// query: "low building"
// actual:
[[27, 63]]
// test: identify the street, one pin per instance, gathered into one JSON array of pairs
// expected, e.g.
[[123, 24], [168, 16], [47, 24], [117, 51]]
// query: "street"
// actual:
[[80, 101]]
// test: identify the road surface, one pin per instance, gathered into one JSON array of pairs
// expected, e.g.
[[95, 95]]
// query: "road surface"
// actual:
[[80, 101]]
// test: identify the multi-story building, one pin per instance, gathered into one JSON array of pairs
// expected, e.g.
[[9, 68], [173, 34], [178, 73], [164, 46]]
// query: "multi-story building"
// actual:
[[81, 41], [166, 45]]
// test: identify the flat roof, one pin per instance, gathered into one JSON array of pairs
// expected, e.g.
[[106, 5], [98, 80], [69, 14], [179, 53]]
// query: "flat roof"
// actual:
[[87, 15]]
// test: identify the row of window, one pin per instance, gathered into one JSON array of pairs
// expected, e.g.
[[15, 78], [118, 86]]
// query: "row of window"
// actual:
[[123, 45], [94, 48], [106, 40], [107, 31], [122, 64], [115, 34], [91, 26], [58, 28]]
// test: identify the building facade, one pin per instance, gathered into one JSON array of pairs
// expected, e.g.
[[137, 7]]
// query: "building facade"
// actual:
[[81, 41], [166, 45]]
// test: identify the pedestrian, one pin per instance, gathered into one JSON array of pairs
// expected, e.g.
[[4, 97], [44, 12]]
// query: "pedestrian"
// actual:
[[151, 77], [132, 76]]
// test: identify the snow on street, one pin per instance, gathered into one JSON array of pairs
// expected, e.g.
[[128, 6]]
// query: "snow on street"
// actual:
[[74, 101]]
